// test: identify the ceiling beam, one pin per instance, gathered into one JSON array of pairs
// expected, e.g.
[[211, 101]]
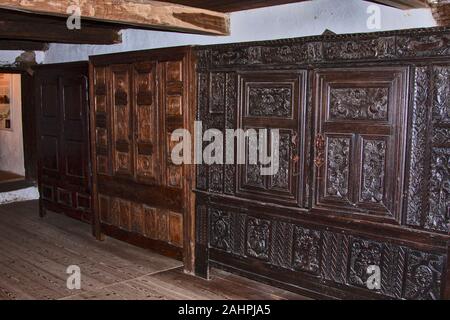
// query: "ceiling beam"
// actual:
[[441, 11], [30, 27], [232, 5], [404, 4], [23, 45], [142, 13]]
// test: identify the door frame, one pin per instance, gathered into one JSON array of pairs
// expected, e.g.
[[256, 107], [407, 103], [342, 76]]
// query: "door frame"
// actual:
[[28, 121]]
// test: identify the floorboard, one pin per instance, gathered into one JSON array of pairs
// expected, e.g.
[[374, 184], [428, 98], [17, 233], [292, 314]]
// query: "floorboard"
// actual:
[[35, 254]]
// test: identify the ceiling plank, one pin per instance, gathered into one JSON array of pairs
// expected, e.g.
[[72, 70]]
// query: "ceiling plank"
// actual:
[[238, 5], [30, 27], [232, 5], [23, 45], [142, 13]]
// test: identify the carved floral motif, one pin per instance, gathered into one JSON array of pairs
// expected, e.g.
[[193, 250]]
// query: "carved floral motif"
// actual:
[[338, 161], [419, 145], [281, 179], [373, 171], [437, 219], [359, 103], [273, 102]]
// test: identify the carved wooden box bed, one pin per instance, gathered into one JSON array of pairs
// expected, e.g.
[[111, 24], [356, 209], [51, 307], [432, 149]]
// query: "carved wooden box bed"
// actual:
[[364, 175]]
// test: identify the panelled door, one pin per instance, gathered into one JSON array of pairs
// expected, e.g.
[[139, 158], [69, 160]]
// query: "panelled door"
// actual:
[[359, 142], [139, 191], [273, 100], [63, 135]]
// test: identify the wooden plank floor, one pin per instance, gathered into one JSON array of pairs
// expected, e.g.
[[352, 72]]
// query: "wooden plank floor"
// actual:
[[35, 253]]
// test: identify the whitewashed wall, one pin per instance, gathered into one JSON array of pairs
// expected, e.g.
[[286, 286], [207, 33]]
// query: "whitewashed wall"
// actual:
[[9, 56], [291, 20], [11, 142]]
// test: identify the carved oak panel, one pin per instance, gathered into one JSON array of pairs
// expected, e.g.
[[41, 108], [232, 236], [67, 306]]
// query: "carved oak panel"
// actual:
[[268, 101], [361, 114], [332, 257], [375, 160], [258, 238], [307, 250], [338, 167], [428, 191], [359, 104]]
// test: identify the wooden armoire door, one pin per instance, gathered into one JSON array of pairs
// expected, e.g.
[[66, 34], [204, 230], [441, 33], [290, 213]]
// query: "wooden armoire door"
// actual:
[[63, 139], [139, 99], [360, 141]]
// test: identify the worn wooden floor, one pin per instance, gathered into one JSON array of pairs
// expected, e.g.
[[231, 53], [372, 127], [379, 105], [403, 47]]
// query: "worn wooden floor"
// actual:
[[35, 254]]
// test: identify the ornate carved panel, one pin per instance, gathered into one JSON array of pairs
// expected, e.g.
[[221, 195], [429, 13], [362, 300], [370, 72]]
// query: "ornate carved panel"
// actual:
[[338, 167], [332, 257], [418, 145], [364, 253], [269, 101], [439, 214], [217, 101], [220, 230], [258, 238], [307, 246], [272, 100], [359, 103], [428, 192], [423, 276], [361, 115], [281, 180], [385, 120], [373, 171]]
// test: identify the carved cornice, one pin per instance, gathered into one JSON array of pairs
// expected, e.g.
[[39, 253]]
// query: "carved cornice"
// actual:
[[389, 45]]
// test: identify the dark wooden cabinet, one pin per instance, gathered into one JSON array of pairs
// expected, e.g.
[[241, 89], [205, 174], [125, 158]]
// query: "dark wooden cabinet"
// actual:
[[364, 164], [61, 93], [139, 98]]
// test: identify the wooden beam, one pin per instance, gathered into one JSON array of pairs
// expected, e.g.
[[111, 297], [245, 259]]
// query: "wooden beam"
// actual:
[[404, 4], [232, 5], [23, 45], [142, 13], [441, 11], [30, 27]]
